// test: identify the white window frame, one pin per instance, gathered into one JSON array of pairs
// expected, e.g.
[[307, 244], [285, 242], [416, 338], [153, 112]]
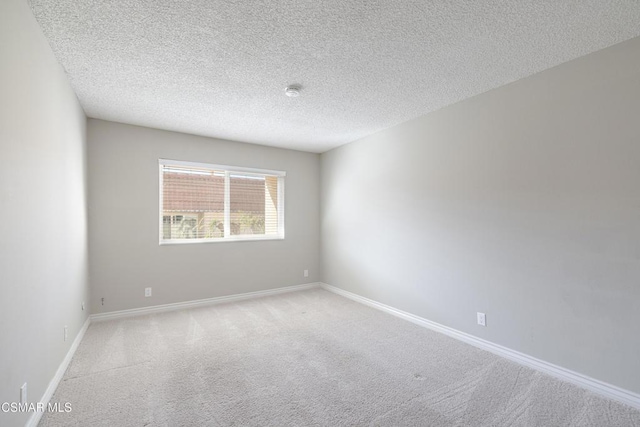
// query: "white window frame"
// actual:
[[228, 170]]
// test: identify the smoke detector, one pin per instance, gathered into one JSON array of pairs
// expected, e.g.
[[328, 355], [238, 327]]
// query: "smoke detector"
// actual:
[[292, 91]]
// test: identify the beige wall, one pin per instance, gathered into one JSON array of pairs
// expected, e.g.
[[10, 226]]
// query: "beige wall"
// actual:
[[43, 255], [523, 203], [123, 221]]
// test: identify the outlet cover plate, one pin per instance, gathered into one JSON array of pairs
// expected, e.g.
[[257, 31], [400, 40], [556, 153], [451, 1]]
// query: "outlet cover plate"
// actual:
[[482, 319]]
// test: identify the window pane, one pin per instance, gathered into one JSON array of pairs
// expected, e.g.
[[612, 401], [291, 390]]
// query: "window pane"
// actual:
[[193, 203], [247, 197]]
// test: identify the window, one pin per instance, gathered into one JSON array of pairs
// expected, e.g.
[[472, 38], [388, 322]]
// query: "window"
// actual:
[[212, 203]]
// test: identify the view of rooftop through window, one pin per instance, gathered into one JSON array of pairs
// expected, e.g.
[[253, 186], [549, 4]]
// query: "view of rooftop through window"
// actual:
[[217, 203]]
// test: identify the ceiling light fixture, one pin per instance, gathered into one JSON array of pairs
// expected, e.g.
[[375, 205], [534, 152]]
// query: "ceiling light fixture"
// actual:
[[292, 91]]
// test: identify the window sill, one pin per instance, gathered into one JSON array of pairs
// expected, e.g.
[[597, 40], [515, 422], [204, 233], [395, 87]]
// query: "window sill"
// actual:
[[220, 240]]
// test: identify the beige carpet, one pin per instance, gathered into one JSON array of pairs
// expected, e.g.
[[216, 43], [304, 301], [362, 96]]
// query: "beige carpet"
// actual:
[[308, 358]]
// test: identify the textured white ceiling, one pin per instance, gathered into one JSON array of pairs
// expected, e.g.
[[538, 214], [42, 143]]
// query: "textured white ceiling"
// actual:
[[219, 67]]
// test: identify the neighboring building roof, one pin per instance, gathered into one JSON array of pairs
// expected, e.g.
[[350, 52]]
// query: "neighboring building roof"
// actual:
[[205, 193]]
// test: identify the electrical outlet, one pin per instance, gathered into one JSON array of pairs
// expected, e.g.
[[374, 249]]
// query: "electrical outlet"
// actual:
[[65, 332], [23, 393], [306, 273], [482, 319], [147, 292]]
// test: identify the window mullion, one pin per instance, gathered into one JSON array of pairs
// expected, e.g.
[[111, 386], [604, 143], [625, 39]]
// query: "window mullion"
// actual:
[[227, 204]]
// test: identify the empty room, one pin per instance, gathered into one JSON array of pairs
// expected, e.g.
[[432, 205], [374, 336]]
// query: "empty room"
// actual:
[[319, 213]]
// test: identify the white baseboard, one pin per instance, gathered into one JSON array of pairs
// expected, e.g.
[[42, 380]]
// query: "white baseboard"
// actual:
[[583, 381], [53, 384], [198, 303]]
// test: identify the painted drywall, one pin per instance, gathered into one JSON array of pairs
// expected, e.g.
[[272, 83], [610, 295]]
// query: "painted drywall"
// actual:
[[125, 256], [43, 255], [522, 203]]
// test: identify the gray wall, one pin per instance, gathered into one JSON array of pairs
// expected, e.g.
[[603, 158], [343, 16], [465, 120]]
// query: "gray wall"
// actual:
[[523, 202], [43, 255], [123, 221]]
